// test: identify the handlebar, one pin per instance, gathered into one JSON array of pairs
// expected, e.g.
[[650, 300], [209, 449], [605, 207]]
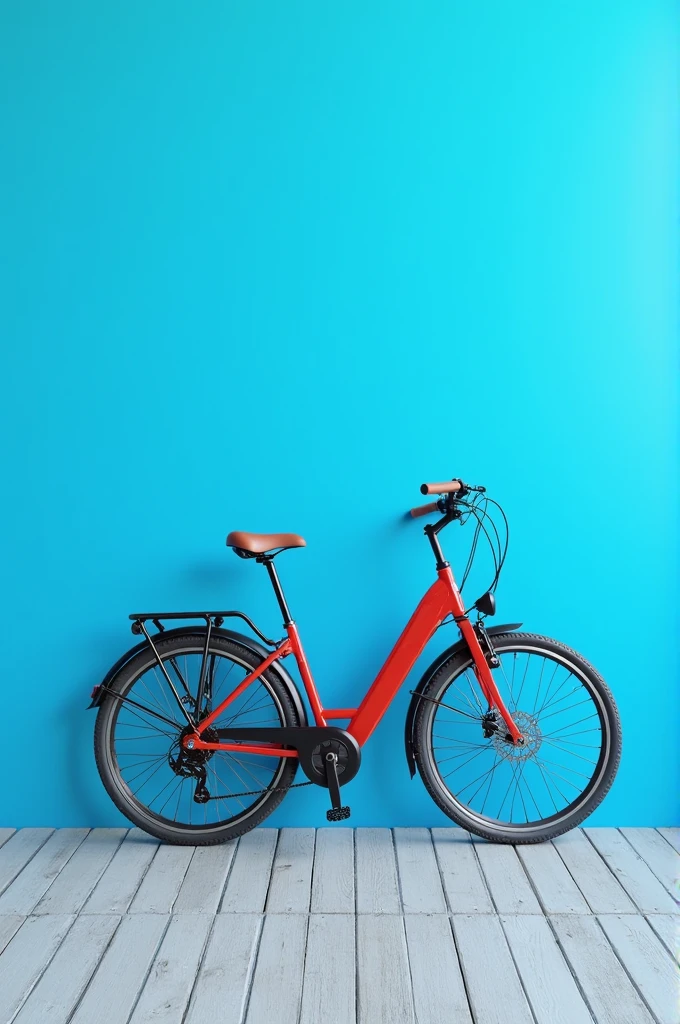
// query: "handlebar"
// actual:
[[448, 487], [423, 510]]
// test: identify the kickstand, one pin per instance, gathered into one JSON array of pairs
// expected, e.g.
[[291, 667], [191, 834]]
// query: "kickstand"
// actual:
[[337, 812]]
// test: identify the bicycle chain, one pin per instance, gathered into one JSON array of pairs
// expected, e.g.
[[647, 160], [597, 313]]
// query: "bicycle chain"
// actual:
[[254, 792]]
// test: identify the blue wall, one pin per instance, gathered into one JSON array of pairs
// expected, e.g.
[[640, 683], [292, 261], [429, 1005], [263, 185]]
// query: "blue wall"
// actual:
[[268, 266]]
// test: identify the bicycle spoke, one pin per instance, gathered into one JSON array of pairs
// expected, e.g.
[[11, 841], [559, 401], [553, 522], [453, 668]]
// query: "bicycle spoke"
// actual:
[[172, 793], [538, 688], [247, 770], [572, 725], [458, 768], [489, 788], [565, 768], [244, 707], [492, 770], [571, 752], [125, 702], [531, 795], [473, 691], [467, 785], [148, 767], [578, 705], [162, 689], [453, 757], [513, 702], [526, 669], [549, 691], [229, 796], [557, 774], [554, 700], [145, 760]]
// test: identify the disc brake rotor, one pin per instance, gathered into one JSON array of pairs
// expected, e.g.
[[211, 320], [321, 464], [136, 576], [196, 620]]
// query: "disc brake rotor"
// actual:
[[528, 726]]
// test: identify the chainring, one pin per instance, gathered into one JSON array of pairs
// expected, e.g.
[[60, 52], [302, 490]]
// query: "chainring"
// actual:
[[336, 747]]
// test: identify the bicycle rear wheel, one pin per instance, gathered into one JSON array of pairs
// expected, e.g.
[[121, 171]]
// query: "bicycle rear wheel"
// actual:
[[147, 775], [519, 794]]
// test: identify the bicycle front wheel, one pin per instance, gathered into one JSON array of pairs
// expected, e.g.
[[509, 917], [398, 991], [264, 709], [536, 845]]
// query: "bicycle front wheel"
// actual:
[[519, 794]]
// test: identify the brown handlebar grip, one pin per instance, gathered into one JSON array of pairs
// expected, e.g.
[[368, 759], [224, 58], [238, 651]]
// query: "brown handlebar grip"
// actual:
[[423, 510], [448, 487]]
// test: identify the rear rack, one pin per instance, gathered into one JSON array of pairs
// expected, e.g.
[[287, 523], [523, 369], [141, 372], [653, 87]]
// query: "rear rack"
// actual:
[[211, 618]]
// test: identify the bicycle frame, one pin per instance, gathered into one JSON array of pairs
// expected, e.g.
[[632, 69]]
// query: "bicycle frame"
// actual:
[[442, 599]]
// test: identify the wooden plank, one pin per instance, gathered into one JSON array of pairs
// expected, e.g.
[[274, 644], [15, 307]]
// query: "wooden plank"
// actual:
[[77, 879], [328, 988], [333, 877], [672, 836], [597, 883], [248, 882], [556, 889], [5, 834], [40, 872], [26, 956], [667, 927], [377, 883], [383, 982], [462, 877], [436, 977], [494, 990], [203, 883], [223, 980], [610, 994], [9, 926], [507, 880], [114, 989], [658, 855], [57, 993], [545, 975], [419, 878], [18, 851], [168, 987], [116, 888], [647, 963], [291, 878], [277, 979], [640, 883], [163, 880]]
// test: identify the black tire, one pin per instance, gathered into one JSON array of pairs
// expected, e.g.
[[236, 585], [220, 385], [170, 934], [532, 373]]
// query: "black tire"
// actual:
[[180, 832], [540, 829]]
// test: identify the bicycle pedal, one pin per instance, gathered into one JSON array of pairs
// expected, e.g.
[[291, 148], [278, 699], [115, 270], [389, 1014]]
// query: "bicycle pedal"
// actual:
[[338, 814]]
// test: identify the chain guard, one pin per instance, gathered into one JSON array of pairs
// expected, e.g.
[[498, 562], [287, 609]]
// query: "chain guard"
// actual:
[[312, 742]]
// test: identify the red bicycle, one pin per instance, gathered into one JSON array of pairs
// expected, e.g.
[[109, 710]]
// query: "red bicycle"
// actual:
[[201, 729]]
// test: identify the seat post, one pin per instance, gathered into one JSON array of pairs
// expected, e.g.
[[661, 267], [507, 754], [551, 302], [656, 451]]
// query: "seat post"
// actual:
[[276, 583]]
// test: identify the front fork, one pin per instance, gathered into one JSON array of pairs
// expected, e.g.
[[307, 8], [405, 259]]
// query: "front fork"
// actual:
[[484, 658]]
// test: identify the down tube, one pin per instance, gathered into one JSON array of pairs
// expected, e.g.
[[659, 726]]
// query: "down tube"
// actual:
[[434, 607]]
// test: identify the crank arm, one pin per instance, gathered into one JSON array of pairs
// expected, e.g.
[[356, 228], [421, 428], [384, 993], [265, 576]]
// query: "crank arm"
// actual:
[[331, 766]]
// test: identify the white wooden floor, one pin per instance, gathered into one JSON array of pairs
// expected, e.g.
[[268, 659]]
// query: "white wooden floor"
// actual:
[[299, 926]]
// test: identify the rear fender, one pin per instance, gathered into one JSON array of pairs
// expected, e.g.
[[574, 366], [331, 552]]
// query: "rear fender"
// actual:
[[428, 675], [229, 634]]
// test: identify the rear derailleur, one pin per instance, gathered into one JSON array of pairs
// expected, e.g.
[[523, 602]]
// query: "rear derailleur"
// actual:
[[190, 764]]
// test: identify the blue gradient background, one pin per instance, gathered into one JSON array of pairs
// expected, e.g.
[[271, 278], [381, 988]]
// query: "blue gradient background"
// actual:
[[268, 266]]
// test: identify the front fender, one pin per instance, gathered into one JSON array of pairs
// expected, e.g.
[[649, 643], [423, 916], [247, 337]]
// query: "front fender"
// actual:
[[428, 675], [229, 634]]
